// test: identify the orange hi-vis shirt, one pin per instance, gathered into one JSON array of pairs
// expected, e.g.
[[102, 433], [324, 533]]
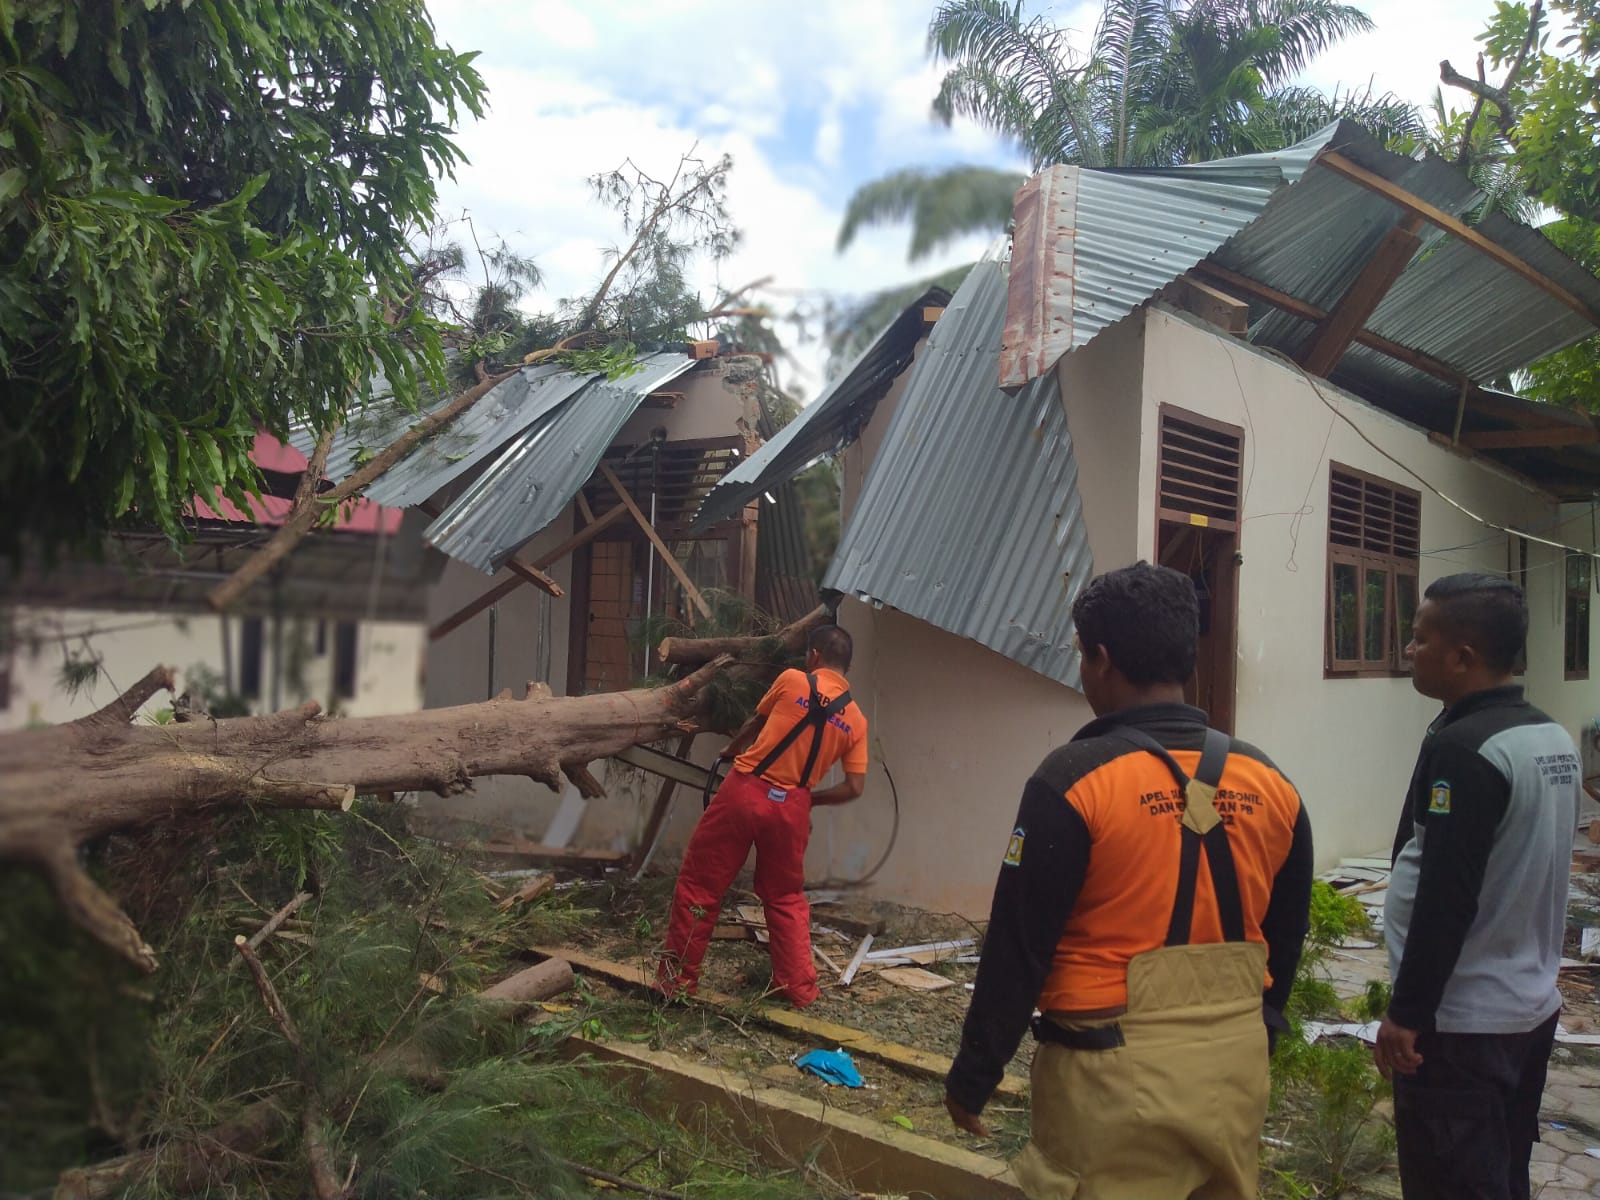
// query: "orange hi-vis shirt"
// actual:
[[1132, 810], [786, 703], [1090, 873]]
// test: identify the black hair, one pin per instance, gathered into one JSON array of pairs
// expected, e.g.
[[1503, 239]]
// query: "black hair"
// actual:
[[834, 644], [1148, 620], [1487, 612]]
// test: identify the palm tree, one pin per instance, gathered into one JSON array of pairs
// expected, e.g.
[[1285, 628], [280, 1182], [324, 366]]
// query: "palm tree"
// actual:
[[1165, 81]]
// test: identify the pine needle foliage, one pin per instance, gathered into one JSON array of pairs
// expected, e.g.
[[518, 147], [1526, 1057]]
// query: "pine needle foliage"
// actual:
[[424, 1088]]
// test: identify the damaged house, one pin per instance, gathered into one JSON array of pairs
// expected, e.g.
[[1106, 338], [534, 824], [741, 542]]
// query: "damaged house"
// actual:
[[1276, 373], [553, 520]]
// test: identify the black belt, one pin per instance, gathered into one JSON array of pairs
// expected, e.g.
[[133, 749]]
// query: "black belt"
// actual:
[[1096, 1037]]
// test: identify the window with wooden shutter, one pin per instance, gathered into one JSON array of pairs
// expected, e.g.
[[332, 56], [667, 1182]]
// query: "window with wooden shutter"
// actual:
[[1374, 541], [1575, 654], [1199, 465]]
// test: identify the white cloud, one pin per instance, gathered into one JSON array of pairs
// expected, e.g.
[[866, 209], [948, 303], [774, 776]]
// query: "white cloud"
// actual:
[[811, 101]]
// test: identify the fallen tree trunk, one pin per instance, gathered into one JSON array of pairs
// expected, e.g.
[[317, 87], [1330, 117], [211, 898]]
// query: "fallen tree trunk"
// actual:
[[773, 648], [67, 784]]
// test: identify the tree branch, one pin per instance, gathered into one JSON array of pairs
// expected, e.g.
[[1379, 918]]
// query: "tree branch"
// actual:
[[88, 905], [1472, 120], [299, 521], [120, 711], [324, 1179], [1500, 97]]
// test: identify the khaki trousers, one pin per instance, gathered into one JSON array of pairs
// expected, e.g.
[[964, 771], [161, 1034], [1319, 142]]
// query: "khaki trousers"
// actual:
[[1177, 1111]]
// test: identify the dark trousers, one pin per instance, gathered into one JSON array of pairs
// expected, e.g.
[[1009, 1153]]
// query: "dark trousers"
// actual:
[[1466, 1122]]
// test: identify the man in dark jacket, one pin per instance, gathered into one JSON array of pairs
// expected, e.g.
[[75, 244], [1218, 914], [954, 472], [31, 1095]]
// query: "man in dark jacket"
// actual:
[[1477, 903]]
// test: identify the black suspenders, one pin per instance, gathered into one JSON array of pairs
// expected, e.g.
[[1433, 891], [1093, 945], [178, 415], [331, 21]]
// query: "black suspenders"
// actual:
[[1219, 855], [1219, 859], [816, 720]]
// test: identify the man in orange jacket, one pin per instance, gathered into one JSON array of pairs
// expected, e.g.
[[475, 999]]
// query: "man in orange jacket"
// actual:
[[1152, 902], [803, 725]]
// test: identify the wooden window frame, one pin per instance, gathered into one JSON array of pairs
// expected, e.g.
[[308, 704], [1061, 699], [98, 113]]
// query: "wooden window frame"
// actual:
[[1392, 661], [1575, 594]]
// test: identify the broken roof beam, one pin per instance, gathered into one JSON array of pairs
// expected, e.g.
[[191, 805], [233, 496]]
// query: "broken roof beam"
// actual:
[[1436, 216], [506, 586], [1486, 402], [643, 522], [1338, 329]]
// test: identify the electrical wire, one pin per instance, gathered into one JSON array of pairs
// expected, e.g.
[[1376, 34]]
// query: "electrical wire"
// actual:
[[1411, 471], [894, 836]]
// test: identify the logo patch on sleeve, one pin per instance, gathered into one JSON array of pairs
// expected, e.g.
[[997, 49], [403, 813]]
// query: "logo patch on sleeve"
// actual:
[[1439, 797], [1013, 856]]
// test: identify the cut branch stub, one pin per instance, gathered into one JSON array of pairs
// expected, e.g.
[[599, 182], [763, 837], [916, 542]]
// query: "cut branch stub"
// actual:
[[771, 648]]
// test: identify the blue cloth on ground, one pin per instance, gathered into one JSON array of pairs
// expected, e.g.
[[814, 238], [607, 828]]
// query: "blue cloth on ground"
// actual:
[[831, 1066]]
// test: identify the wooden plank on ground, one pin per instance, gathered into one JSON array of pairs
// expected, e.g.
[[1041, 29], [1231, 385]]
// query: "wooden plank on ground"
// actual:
[[871, 1156], [916, 979], [828, 1033]]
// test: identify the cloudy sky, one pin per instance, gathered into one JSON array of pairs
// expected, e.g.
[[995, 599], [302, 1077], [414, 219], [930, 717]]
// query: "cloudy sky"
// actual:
[[811, 100]]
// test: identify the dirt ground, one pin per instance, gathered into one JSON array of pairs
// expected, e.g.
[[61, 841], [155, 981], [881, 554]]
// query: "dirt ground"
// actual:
[[624, 923]]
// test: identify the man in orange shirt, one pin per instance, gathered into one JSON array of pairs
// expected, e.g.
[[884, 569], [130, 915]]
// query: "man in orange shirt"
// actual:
[[803, 725], [1152, 902]]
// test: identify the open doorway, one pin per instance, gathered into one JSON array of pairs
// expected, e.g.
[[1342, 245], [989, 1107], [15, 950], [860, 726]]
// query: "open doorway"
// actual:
[[1199, 471]]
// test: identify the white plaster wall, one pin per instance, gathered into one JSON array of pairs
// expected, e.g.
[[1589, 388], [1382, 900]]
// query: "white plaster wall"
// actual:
[[388, 662], [1349, 744], [960, 728]]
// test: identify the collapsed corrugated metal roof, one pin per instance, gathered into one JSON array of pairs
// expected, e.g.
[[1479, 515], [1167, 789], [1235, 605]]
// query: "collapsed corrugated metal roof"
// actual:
[[506, 411], [1134, 231], [829, 423], [548, 425], [977, 530], [526, 488]]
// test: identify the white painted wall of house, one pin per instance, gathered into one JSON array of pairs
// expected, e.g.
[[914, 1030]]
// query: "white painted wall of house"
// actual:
[[1348, 743], [388, 661]]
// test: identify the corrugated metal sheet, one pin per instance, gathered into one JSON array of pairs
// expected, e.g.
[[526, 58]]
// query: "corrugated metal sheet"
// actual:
[[506, 411], [828, 423], [1091, 246], [526, 488], [1308, 236], [969, 517]]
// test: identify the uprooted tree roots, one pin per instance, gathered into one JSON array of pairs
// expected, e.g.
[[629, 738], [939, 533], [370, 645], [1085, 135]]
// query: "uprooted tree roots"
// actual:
[[68, 784]]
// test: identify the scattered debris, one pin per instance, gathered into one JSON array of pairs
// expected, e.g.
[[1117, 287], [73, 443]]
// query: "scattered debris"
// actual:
[[831, 1066], [930, 952], [756, 919], [1590, 945], [536, 886], [855, 963], [1317, 1030], [916, 979]]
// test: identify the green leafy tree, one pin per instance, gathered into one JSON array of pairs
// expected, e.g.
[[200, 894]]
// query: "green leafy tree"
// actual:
[[1538, 131], [204, 213], [1165, 81]]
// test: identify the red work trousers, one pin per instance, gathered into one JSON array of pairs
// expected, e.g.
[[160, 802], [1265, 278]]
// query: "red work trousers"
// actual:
[[745, 812]]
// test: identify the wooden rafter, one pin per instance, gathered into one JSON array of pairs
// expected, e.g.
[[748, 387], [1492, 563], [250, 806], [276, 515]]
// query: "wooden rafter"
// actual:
[[529, 573], [1436, 216], [1338, 329], [1531, 439], [506, 586], [649, 530], [1482, 401]]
